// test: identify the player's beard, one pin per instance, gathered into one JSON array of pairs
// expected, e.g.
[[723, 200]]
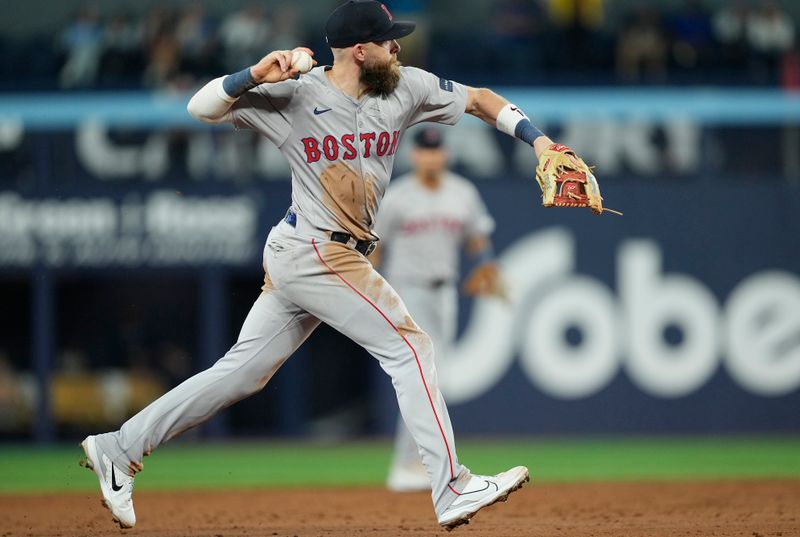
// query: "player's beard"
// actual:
[[380, 78]]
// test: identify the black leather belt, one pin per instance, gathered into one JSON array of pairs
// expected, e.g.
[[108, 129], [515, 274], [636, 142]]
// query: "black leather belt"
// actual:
[[363, 247]]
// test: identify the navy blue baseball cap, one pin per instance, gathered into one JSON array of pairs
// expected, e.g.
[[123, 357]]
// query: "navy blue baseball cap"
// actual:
[[429, 138], [363, 21]]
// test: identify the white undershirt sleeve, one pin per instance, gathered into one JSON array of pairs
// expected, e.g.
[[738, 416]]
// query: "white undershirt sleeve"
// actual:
[[211, 104]]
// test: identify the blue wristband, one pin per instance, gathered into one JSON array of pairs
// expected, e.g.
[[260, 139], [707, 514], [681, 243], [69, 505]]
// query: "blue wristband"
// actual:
[[526, 132], [239, 83]]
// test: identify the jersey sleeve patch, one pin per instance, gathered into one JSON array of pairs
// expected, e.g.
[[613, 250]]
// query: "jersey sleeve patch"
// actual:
[[446, 85]]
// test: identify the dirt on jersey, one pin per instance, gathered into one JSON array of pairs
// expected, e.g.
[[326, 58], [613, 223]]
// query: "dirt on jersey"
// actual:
[[351, 197]]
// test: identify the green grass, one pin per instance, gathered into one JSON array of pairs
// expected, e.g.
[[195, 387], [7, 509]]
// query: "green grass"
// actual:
[[228, 465]]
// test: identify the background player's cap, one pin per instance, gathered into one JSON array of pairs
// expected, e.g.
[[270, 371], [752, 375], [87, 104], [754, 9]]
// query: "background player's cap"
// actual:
[[363, 21], [429, 138]]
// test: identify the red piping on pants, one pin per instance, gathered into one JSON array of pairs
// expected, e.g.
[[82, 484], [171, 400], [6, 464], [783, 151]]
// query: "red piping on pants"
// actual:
[[414, 352]]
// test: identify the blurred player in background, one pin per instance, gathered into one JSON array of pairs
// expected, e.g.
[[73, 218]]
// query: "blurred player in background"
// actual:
[[427, 217]]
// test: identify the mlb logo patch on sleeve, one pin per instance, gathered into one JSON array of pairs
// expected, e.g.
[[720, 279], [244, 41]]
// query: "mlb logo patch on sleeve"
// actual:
[[446, 85]]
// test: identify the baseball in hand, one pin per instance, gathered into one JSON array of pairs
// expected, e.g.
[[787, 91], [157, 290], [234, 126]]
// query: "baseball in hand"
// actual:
[[302, 61]]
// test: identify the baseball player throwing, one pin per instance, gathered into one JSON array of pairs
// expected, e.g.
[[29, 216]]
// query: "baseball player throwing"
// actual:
[[339, 127], [426, 218]]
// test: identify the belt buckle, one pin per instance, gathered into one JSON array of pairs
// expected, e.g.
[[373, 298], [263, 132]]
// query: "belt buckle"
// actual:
[[363, 247]]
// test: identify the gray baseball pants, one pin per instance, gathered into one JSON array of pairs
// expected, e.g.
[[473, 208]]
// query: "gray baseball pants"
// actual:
[[309, 279]]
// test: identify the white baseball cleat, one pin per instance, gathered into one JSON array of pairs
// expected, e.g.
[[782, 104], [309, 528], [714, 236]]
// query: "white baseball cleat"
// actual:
[[115, 484], [408, 478], [482, 491]]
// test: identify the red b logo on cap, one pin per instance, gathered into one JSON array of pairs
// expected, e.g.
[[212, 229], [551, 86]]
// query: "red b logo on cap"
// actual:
[[387, 12]]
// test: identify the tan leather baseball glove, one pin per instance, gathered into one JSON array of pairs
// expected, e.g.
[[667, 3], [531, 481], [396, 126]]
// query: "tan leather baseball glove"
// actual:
[[566, 181]]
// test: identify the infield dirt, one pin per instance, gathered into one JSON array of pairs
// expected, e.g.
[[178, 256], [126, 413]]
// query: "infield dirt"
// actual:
[[720, 509]]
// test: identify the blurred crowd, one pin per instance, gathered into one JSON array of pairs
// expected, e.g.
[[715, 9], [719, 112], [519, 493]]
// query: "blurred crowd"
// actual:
[[739, 42], [735, 42], [169, 46]]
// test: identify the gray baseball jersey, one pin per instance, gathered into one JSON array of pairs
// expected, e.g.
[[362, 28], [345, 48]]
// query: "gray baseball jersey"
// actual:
[[341, 151], [420, 223]]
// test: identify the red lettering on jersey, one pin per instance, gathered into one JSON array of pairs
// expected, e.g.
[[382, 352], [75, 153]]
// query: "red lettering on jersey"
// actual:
[[427, 225], [383, 143], [367, 138], [331, 147], [395, 139], [347, 142], [311, 147]]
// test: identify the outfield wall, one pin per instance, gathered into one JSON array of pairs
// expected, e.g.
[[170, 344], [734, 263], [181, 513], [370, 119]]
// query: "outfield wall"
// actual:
[[683, 315], [130, 238]]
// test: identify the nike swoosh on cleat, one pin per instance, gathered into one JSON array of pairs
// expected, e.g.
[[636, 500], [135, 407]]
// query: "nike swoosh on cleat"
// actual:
[[114, 486], [317, 111], [488, 484]]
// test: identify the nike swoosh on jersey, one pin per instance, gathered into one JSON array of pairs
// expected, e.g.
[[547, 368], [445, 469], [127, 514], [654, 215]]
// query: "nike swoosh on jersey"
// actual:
[[318, 111]]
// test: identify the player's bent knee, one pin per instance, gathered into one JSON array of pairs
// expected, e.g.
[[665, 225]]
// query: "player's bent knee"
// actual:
[[421, 346]]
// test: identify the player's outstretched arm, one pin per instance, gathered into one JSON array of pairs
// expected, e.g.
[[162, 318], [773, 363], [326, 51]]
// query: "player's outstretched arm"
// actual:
[[565, 180], [212, 103], [495, 110]]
